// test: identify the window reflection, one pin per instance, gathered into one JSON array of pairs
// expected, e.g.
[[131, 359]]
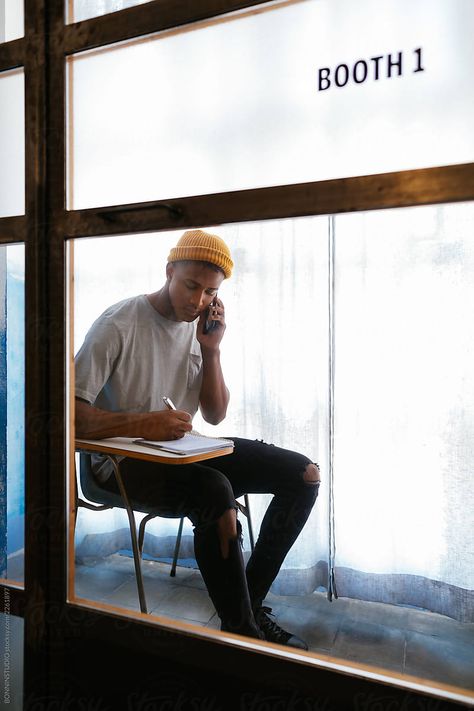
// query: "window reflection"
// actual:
[[12, 411]]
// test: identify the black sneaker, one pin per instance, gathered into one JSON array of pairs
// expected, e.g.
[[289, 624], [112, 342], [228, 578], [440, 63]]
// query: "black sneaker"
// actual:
[[274, 633]]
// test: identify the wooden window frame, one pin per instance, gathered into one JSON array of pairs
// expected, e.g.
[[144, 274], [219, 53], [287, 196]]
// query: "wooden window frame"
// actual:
[[51, 623]]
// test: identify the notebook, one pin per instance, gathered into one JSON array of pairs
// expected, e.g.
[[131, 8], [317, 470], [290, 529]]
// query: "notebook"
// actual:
[[191, 443]]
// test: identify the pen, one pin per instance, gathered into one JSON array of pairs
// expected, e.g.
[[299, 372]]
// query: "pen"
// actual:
[[168, 403]]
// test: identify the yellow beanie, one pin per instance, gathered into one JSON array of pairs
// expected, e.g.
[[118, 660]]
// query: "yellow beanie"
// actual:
[[204, 247]]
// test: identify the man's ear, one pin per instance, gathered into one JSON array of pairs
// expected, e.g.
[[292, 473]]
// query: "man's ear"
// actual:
[[169, 270]]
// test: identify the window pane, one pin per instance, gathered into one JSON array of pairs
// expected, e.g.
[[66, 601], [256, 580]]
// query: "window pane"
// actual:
[[12, 143], [12, 410], [404, 393], [11, 20], [275, 368], [402, 445], [77, 10], [240, 102]]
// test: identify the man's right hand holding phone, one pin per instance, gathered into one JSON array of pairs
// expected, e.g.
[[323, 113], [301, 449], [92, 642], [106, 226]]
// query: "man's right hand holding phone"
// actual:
[[214, 395], [211, 324]]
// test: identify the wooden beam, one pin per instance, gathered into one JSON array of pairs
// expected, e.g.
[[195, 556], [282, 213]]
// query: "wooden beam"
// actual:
[[12, 229], [371, 192], [146, 19], [45, 511], [36, 463], [12, 54], [269, 676]]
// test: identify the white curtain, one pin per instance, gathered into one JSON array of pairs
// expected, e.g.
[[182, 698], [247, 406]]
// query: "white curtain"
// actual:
[[401, 302], [404, 406]]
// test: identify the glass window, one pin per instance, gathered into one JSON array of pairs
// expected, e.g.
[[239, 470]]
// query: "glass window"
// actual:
[[350, 340], [404, 421], [12, 410], [77, 10], [299, 92], [12, 143], [278, 386], [11, 20]]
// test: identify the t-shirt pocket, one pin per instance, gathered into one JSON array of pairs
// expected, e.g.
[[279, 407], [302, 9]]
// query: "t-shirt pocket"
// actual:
[[194, 371]]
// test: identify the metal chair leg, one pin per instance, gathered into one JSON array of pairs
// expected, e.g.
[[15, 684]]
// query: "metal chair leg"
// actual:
[[176, 548], [133, 534], [141, 531], [249, 522]]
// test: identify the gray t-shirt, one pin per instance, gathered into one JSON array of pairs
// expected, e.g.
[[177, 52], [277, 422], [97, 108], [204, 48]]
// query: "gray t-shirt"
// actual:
[[131, 357]]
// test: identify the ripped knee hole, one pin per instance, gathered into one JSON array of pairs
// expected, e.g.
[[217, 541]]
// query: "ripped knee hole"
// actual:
[[312, 474]]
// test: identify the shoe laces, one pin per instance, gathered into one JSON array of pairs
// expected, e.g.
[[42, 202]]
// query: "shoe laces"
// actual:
[[272, 631]]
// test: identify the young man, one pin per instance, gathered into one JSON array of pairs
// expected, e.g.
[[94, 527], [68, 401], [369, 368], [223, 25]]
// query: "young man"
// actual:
[[153, 345]]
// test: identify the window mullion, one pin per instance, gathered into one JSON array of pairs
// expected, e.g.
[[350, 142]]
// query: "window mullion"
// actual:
[[12, 229], [145, 19], [45, 559], [12, 54], [373, 192]]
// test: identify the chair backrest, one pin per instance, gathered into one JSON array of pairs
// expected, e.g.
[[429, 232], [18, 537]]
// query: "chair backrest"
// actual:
[[95, 493], [90, 488]]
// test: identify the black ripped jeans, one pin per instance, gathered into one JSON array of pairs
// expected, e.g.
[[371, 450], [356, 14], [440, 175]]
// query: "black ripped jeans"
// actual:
[[204, 491]]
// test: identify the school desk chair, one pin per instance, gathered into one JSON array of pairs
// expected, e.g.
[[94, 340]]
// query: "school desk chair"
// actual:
[[98, 499]]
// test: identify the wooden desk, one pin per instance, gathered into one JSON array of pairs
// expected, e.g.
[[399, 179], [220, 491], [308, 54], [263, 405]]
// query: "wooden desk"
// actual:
[[125, 447]]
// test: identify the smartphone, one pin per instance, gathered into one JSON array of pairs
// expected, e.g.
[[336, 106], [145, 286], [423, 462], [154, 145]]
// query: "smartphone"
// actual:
[[209, 323]]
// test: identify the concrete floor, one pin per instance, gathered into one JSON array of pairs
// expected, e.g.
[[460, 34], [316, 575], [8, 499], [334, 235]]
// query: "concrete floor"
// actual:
[[401, 639]]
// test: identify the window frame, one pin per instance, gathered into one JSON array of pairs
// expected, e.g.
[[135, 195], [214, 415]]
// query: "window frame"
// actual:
[[52, 623]]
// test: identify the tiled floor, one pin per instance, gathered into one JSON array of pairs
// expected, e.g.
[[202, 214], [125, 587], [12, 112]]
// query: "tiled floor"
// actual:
[[401, 639]]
